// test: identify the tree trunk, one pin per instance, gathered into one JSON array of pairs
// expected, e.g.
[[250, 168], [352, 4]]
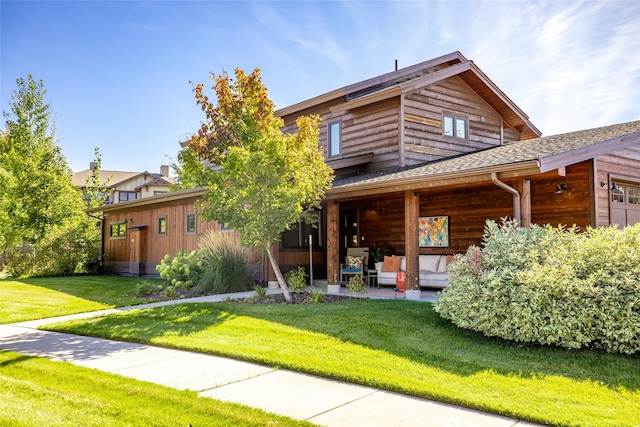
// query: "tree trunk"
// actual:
[[279, 276]]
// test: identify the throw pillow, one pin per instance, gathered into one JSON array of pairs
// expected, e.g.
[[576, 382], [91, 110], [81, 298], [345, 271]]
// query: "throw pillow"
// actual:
[[391, 264], [354, 262]]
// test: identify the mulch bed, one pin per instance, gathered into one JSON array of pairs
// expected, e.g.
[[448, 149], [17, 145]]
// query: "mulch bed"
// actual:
[[298, 298]]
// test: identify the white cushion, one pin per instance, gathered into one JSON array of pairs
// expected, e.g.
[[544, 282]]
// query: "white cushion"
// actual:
[[442, 266], [429, 262], [403, 264]]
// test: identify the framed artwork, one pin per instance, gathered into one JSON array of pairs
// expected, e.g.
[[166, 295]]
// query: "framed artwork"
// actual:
[[433, 231]]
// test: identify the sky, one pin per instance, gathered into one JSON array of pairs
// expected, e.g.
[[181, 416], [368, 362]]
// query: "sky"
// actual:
[[119, 74]]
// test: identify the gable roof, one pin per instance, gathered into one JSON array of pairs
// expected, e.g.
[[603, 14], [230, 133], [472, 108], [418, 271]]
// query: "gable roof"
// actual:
[[515, 159], [79, 179], [419, 76]]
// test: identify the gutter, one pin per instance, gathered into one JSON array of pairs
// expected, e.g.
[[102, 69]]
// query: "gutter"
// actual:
[[516, 196]]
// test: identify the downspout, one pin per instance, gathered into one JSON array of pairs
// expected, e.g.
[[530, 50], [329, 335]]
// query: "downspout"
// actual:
[[516, 195]]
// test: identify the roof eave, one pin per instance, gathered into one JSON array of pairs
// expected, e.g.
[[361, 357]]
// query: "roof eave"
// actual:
[[435, 180]]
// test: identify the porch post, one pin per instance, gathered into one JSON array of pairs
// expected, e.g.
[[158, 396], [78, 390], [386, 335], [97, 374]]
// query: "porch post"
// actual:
[[411, 248], [524, 188], [333, 248]]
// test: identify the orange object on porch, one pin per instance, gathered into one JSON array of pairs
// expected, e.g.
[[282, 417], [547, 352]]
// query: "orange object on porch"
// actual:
[[401, 281]]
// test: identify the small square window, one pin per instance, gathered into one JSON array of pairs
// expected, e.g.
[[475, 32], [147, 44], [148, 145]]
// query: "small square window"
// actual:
[[454, 126], [125, 196], [334, 139], [118, 230], [191, 223], [162, 226]]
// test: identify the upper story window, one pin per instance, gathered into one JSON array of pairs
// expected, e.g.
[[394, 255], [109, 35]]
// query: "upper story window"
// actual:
[[334, 139], [455, 126], [117, 229], [191, 223], [162, 226], [125, 196]]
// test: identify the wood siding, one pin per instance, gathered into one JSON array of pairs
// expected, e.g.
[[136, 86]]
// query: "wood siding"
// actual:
[[119, 251], [614, 166], [424, 110], [382, 219], [376, 128]]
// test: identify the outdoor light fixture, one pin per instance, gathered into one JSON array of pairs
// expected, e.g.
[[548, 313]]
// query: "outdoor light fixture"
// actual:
[[561, 188], [615, 188], [603, 184]]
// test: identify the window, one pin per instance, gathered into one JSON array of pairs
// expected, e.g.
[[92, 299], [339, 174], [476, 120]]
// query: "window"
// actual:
[[298, 236], [157, 193], [125, 196], [162, 226], [455, 126], [118, 230], [634, 195], [334, 139], [191, 223]]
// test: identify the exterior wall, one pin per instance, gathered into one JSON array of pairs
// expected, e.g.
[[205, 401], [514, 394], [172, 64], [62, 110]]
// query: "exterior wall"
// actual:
[[382, 219], [152, 190], [375, 128], [620, 166], [423, 113], [573, 207], [119, 252]]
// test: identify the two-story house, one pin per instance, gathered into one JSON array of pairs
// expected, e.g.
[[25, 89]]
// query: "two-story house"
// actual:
[[125, 186], [437, 144]]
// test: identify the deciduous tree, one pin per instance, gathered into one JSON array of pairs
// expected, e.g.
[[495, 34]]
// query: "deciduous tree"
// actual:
[[262, 180]]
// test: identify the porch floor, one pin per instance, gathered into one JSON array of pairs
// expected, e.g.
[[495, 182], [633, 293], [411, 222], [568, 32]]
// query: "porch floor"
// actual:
[[389, 293]]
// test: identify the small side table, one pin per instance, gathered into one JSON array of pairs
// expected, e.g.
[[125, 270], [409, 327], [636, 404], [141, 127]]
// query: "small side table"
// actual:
[[372, 275]]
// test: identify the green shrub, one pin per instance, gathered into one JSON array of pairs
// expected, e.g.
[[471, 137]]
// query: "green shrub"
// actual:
[[296, 280], [65, 250], [223, 265], [357, 285], [146, 288], [549, 286], [183, 271]]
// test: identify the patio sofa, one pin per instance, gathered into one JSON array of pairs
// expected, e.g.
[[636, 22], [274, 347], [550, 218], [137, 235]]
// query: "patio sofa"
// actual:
[[432, 274]]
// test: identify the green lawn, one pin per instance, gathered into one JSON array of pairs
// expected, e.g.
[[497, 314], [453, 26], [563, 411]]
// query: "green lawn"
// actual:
[[39, 392], [39, 298], [401, 346]]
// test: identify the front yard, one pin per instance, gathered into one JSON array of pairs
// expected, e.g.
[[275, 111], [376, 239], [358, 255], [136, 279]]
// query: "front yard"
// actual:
[[43, 297], [396, 345]]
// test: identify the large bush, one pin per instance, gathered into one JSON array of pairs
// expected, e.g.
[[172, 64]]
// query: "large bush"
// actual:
[[549, 286], [65, 250]]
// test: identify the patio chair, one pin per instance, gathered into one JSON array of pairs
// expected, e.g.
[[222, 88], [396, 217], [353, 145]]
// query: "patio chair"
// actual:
[[356, 263]]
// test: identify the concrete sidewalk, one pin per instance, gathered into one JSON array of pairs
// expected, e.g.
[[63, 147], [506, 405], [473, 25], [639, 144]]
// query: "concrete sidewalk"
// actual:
[[319, 400]]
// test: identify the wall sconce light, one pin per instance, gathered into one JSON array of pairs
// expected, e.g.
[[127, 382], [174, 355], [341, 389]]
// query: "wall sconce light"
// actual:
[[603, 184], [561, 188], [615, 188]]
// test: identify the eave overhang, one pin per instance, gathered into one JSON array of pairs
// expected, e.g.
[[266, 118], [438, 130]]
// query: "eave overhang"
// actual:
[[415, 183], [150, 201]]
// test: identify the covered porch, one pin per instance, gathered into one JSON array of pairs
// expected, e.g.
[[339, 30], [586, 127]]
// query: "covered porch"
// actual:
[[389, 211]]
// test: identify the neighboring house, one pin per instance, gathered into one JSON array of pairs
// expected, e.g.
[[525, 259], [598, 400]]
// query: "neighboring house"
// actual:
[[423, 157], [126, 186]]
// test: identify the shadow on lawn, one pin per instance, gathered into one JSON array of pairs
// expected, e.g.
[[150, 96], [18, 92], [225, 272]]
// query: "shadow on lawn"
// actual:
[[408, 330]]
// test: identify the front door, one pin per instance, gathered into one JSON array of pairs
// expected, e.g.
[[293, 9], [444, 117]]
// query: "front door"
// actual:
[[349, 236]]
